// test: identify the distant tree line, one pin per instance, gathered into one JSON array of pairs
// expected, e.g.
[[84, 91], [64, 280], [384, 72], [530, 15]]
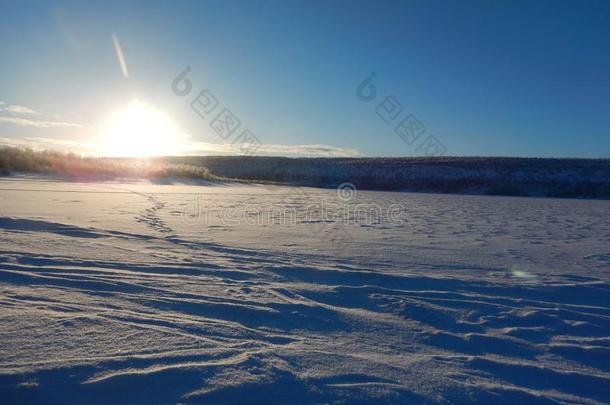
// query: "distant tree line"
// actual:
[[71, 165], [577, 178], [588, 178]]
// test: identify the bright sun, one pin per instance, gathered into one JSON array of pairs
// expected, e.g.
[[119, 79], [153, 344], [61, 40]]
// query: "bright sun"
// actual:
[[139, 131]]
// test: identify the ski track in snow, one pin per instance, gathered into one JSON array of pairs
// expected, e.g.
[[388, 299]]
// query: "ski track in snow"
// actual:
[[108, 296]]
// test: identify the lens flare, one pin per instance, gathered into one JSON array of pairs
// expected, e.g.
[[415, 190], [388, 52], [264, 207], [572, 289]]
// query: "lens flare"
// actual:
[[139, 131]]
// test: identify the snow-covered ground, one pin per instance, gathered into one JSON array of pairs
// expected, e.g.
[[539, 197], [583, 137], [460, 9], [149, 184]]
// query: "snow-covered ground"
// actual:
[[131, 292]]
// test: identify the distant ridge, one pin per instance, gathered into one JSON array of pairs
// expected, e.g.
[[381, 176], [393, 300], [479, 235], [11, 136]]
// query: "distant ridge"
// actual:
[[542, 177], [536, 177]]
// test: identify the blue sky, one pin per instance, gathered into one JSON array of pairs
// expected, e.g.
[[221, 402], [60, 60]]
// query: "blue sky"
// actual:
[[509, 78]]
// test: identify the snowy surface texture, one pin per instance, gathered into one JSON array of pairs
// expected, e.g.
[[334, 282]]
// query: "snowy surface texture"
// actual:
[[130, 293]]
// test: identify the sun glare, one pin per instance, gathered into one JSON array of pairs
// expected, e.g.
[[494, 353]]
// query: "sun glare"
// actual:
[[139, 131]]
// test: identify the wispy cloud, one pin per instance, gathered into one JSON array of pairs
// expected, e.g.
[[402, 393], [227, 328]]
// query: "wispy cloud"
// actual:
[[190, 148], [26, 117], [25, 122], [40, 143], [35, 119], [15, 109], [309, 150], [119, 55], [205, 148]]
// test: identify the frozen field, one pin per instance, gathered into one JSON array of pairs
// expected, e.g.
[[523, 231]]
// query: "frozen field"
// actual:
[[222, 293]]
